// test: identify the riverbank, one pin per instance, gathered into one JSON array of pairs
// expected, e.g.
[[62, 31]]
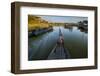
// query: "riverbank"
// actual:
[[39, 31]]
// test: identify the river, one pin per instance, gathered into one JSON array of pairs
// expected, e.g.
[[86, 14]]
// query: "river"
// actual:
[[75, 40]]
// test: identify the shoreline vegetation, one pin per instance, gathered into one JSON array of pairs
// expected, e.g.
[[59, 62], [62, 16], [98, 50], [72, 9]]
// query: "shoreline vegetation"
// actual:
[[37, 25]]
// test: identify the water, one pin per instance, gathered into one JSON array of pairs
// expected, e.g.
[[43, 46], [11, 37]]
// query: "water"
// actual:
[[75, 40]]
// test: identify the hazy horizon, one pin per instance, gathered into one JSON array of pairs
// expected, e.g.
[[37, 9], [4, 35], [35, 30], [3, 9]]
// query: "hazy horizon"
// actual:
[[62, 19]]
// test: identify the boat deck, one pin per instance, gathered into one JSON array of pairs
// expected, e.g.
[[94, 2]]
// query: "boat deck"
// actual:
[[59, 52]]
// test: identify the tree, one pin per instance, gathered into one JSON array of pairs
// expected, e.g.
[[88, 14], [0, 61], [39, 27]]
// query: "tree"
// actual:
[[85, 21]]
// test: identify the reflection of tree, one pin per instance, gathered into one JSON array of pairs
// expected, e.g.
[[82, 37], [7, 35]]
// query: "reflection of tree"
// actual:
[[82, 30]]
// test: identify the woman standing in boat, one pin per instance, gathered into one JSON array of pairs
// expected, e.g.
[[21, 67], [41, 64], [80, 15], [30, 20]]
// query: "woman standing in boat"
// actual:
[[61, 38]]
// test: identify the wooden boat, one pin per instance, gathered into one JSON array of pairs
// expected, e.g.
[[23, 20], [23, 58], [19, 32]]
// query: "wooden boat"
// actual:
[[59, 51]]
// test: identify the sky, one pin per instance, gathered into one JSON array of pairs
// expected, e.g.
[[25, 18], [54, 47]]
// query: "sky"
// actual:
[[67, 19]]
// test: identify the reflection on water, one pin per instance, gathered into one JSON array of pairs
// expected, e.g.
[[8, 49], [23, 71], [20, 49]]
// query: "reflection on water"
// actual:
[[75, 40]]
